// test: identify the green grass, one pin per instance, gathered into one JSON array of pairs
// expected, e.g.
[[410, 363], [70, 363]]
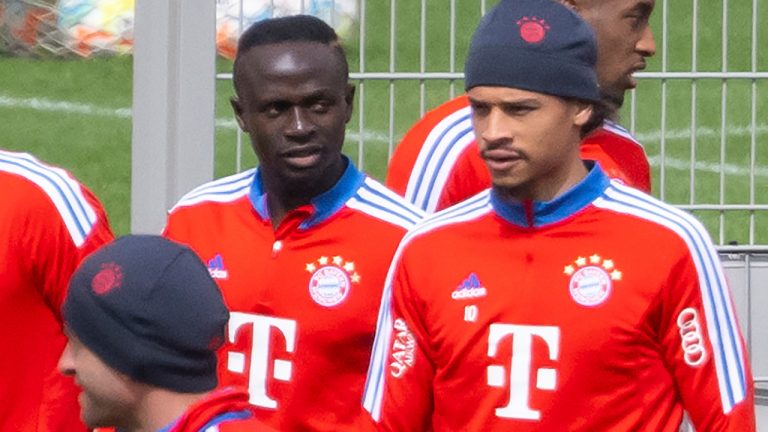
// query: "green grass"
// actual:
[[96, 147]]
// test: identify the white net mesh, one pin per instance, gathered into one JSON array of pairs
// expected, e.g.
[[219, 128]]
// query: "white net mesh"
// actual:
[[93, 27], [66, 27]]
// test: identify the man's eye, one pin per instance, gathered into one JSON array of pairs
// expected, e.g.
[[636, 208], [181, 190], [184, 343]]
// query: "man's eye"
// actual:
[[320, 107], [519, 110], [479, 110], [272, 110], [638, 20]]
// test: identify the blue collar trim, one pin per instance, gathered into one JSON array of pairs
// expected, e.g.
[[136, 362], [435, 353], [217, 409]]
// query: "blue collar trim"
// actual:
[[221, 418], [563, 206], [257, 196], [324, 205]]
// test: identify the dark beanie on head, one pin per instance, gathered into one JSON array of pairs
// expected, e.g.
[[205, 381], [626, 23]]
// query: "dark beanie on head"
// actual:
[[535, 45], [148, 308]]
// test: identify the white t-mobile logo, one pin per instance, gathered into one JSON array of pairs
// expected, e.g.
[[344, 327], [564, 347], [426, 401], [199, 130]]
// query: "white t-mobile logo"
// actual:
[[520, 366], [260, 353]]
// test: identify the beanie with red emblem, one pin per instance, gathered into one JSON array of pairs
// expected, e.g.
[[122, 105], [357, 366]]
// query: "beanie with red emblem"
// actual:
[[535, 45], [148, 308]]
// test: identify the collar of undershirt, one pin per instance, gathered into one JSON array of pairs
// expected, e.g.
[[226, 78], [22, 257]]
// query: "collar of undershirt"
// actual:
[[536, 214], [322, 206]]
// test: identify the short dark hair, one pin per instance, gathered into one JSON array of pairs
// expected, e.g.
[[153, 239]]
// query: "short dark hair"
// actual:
[[294, 28]]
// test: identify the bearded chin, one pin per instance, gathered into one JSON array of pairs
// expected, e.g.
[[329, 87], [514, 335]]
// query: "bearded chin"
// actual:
[[612, 104]]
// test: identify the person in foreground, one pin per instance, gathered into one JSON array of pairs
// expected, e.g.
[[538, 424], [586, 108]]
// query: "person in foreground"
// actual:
[[300, 246], [437, 163], [545, 304], [144, 320], [49, 222]]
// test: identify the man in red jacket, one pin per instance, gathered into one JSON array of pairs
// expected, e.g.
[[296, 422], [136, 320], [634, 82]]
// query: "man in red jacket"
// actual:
[[543, 304], [437, 164], [48, 223], [144, 320]]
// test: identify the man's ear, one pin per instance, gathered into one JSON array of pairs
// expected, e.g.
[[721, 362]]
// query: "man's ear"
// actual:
[[583, 113], [238, 109], [349, 98]]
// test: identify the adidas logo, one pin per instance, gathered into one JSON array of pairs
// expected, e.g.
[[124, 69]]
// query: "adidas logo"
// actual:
[[470, 288], [216, 268]]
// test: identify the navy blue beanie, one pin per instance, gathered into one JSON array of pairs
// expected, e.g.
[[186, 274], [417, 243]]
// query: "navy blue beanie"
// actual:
[[148, 308], [535, 45]]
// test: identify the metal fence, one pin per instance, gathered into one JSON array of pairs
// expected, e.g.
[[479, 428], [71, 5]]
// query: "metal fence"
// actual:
[[747, 274], [697, 110]]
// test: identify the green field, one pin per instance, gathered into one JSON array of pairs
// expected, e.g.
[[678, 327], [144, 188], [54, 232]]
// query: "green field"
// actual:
[[74, 112]]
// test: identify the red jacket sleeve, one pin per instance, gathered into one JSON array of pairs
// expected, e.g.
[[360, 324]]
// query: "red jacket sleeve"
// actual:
[[398, 392], [702, 344], [57, 232], [56, 252]]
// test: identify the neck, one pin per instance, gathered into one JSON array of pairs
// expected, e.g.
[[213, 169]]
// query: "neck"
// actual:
[[282, 197], [160, 407]]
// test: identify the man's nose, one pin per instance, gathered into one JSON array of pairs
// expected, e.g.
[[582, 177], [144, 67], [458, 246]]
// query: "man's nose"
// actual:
[[299, 123], [647, 44], [494, 128]]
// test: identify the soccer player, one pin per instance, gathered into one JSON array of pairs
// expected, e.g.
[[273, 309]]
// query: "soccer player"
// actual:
[[559, 300], [437, 163], [299, 246], [144, 319], [48, 223]]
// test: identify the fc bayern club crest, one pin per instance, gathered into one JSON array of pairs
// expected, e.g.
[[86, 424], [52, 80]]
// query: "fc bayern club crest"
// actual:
[[331, 280], [591, 280], [109, 277], [532, 29]]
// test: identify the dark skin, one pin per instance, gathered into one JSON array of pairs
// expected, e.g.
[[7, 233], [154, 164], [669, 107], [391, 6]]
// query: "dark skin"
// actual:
[[624, 41], [294, 100]]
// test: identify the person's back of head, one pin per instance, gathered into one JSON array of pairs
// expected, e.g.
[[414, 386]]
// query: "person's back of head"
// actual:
[[141, 313]]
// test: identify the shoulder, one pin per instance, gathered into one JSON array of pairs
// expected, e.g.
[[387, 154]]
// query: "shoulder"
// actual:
[[379, 202], [456, 106], [440, 124], [223, 190], [450, 122], [631, 202], [617, 132], [51, 190], [465, 212], [446, 114]]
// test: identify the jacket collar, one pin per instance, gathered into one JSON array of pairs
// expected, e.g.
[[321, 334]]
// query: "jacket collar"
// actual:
[[535, 214]]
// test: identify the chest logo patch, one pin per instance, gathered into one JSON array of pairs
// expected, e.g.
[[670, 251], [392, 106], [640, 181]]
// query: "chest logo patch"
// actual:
[[216, 268], [591, 280], [331, 280], [470, 288]]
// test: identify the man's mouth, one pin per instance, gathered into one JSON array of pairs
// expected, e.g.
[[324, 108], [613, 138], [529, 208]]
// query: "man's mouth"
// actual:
[[302, 157], [501, 159], [635, 69]]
